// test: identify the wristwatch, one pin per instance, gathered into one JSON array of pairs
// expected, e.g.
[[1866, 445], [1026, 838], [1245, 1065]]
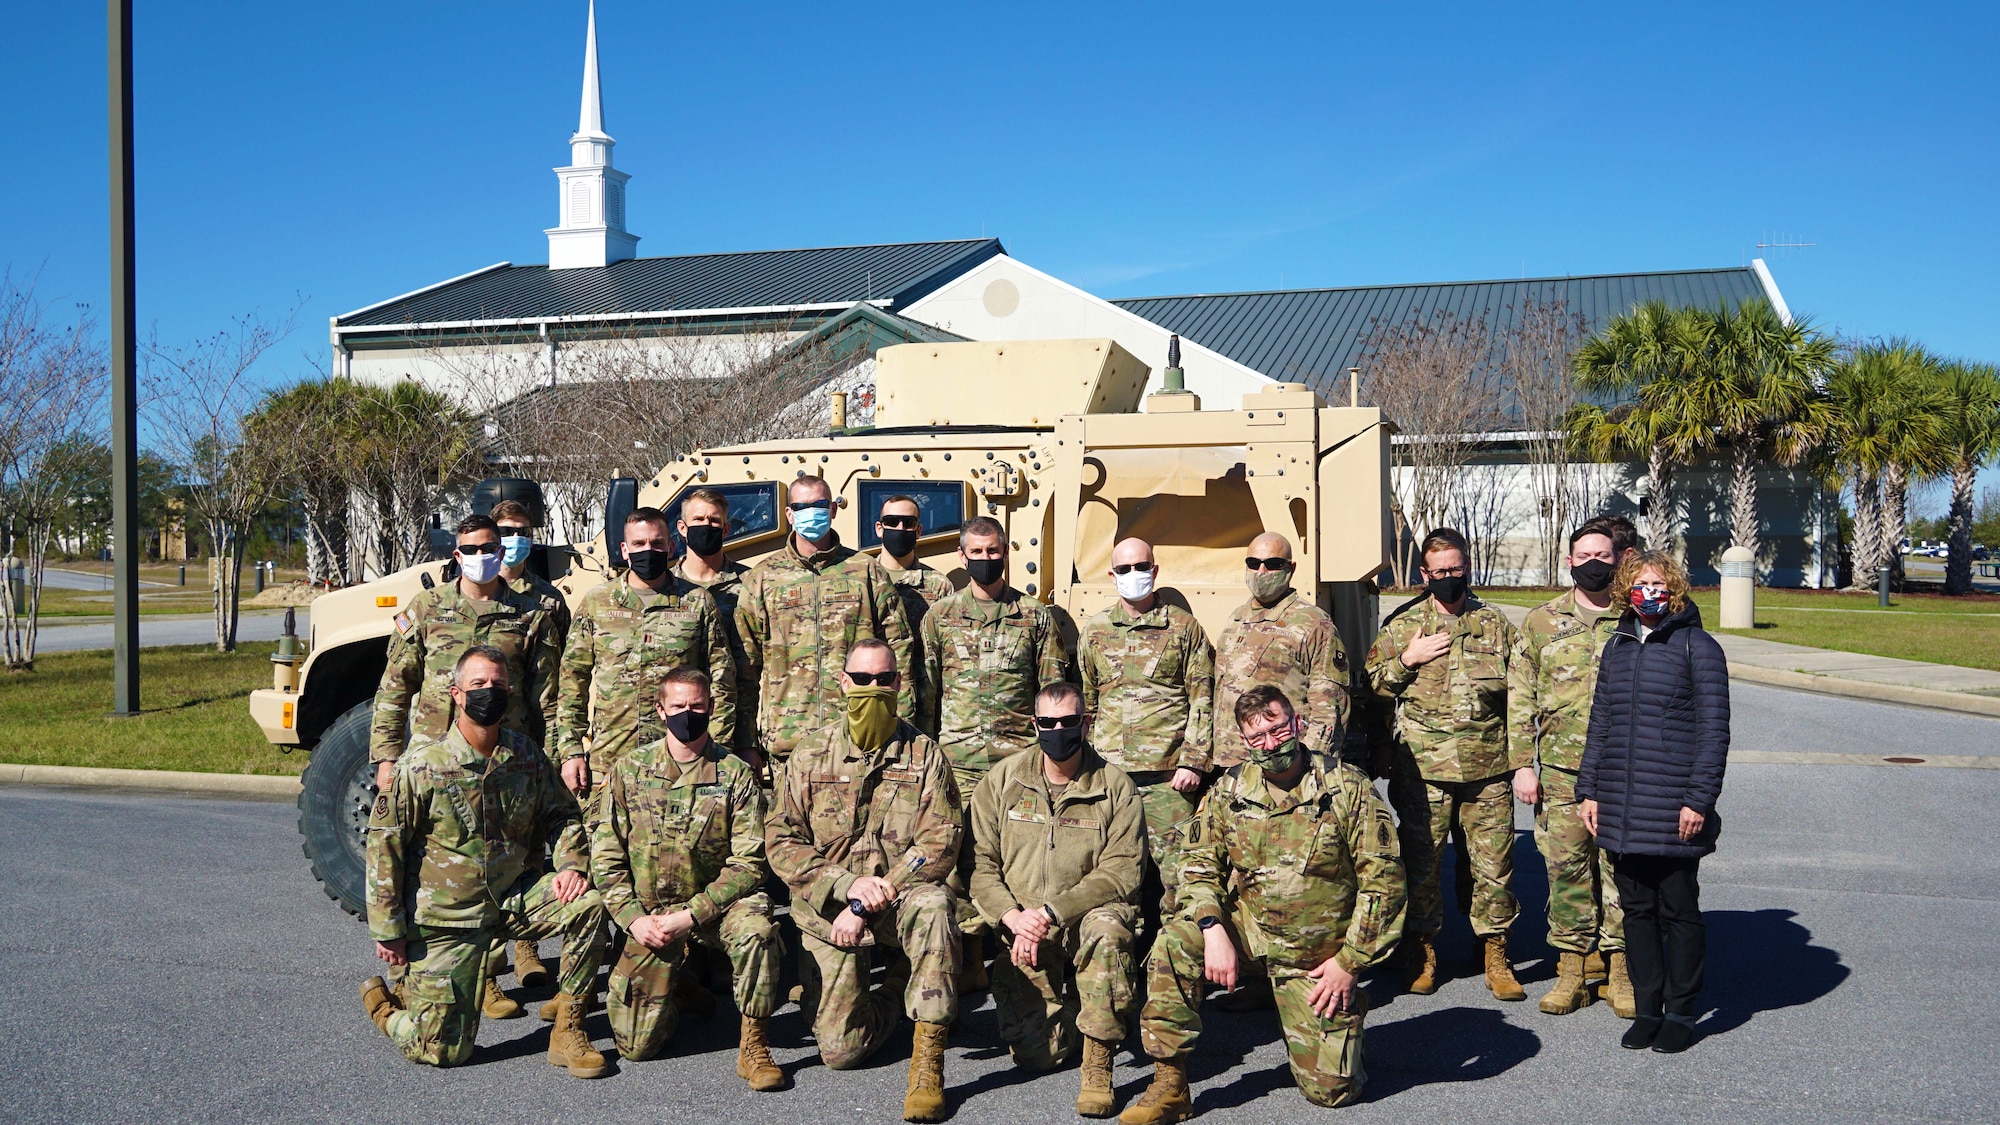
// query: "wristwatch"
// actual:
[[1209, 922], [1050, 914], [854, 906]]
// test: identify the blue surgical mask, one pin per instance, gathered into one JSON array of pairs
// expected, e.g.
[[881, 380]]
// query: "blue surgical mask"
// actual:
[[515, 548], [812, 523]]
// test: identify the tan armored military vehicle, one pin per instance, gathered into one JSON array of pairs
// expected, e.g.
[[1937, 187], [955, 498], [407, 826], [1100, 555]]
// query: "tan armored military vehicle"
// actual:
[[1055, 439]]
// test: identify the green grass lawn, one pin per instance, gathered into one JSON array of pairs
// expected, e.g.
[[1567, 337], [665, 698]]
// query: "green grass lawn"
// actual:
[[1929, 627], [196, 714]]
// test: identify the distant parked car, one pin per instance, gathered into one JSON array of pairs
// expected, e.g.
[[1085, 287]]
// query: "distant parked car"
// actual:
[[1980, 553]]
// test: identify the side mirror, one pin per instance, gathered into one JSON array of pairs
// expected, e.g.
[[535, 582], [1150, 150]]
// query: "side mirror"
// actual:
[[619, 502]]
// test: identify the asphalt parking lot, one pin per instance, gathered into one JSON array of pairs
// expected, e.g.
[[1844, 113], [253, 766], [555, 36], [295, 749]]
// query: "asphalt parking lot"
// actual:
[[170, 959]]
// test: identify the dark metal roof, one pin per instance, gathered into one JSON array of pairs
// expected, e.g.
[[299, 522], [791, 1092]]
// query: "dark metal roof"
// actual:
[[1314, 335], [897, 272]]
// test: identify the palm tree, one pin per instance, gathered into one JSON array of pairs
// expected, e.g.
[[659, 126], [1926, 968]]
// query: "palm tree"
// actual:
[[1970, 429], [1636, 356], [1881, 410]]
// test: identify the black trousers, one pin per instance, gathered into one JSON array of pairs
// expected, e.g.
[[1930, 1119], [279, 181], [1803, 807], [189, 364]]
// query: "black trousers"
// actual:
[[1666, 943]]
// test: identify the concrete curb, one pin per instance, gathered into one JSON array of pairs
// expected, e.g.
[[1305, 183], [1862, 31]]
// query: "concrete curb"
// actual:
[[1863, 689], [233, 784]]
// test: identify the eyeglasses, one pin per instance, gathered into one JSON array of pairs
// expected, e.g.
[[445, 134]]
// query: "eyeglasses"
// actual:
[[1127, 568], [804, 504], [903, 523], [1446, 572], [478, 548], [1651, 589], [1255, 563], [513, 529], [870, 679], [1058, 722]]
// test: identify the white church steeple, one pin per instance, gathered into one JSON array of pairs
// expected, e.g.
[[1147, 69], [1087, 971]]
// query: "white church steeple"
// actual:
[[590, 215]]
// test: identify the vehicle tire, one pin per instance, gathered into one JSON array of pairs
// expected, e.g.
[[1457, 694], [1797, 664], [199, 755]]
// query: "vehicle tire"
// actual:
[[337, 794]]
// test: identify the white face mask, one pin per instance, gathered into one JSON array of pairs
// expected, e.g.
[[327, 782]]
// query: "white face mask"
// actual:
[[481, 569], [1135, 585]]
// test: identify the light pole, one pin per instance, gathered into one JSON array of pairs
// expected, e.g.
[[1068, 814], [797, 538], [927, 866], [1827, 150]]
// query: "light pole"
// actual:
[[124, 377]]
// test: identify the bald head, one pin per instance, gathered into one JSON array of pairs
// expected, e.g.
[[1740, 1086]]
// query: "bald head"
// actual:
[[1133, 550], [1271, 545]]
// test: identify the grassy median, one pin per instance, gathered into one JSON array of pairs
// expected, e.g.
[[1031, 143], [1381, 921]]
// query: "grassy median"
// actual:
[[196, 713], [1930, 627]]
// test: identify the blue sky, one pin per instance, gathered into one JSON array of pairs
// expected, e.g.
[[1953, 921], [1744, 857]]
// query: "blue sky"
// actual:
[[346, 153]]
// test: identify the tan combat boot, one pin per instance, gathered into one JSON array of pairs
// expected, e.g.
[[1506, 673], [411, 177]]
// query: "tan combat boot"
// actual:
[[925, 1099], [1618, 988], [495, 1004], [1166, 1100], [1421, 965], [753, 1056], [569, 1046], [528, 967], [1595, 969], [1499, 972], [972, 976], [1095, 1098], [375, 997], [1568, 993]]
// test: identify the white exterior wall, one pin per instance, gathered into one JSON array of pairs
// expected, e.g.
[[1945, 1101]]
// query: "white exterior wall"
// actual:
[[525, 366], [1003, 299]]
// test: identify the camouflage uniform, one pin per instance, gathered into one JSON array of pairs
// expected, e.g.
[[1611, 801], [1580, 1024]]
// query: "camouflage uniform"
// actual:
[[1293, 647], [1318, 876], [683, 837], [727, 590], [623, 642], [1146, 684], [1081, 852], [440, 624], [452, 853], [1551, 679], [552, 600], [983, 664], [1450, 760], [798, 617], [843, 813]]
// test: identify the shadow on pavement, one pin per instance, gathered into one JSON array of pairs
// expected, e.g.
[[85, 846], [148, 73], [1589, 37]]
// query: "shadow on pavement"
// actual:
[[1760, 961], [1452, 1045]]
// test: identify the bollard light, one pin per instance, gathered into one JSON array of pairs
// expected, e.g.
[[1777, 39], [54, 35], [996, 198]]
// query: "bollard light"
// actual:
[[1739, 586]]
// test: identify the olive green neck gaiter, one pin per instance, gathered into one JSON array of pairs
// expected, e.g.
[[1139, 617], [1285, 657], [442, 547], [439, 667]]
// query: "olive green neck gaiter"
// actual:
[[871, 716]]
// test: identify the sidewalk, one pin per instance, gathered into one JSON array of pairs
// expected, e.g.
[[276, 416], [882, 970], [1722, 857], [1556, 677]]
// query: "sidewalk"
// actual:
[[1850, 674]]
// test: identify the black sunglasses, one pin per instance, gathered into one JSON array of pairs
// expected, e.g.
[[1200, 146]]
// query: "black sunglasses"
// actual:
[[1054, 722], [902, 523], [804, 504], [870, 679], [1255, 563], [478, 548], [1127, 568]]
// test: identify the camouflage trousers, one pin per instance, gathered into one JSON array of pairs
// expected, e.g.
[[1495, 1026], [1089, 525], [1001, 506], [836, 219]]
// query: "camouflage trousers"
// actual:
[[1426, 811], [852, 1018], [639, 1000], [970, 922], [1324, 1051], [1168, 814], [439, 1021], [1583, 901], [1084, 979]]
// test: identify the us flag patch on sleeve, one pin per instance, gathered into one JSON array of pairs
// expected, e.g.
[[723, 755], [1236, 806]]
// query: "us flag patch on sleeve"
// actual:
[[402, 621]]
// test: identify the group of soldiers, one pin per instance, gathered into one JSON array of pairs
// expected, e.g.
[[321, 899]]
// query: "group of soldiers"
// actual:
[[922, 772]]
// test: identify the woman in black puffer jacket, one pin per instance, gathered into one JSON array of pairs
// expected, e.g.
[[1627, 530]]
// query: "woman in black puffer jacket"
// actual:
[[1652, 770]]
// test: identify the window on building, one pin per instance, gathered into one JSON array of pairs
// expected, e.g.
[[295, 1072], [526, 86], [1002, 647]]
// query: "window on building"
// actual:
[[753, 511], [941, 504]]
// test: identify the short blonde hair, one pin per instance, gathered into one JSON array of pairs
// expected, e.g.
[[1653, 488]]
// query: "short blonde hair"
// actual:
[[1669, 567]]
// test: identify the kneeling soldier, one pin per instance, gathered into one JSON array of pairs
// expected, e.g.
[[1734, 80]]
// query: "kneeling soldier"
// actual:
[[1321, 899], [1060, 849], [450, 850], [865, 833], [678, 856]]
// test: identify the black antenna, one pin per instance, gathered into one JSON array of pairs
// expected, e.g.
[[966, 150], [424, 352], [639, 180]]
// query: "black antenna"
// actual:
[[1174, 350]]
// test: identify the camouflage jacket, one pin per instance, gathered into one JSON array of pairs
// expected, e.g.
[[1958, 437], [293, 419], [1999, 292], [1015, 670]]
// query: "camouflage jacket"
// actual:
[[1317, 871], [1146, 684], [424, 647], [727, 590], [1551, 677], [984, 662], [1073, 854], [1451, 713], [798, 617], [622, 643], [842, 813], [1293, 647], [676, 836], [919, 588], [553, 601], [458, 830]]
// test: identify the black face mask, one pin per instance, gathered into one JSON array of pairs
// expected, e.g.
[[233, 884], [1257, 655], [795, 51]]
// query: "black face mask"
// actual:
[[704, 539], [1062, 743], [649, 565], [1447, 590], [1592, 575], [898, 541], [688, 726], [485, 705], [985, 572]]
